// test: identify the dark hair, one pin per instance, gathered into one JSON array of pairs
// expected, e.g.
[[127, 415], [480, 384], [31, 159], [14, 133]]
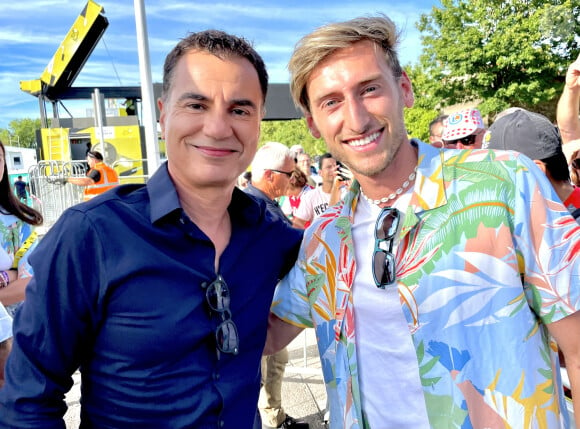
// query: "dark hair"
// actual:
[[247, 175], [557, 166], [322, 158], [220, 44], [10, 204], [95, 154], [438, 120]]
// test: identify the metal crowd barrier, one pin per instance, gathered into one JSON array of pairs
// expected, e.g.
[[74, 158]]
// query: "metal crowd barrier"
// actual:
[[50, 193]]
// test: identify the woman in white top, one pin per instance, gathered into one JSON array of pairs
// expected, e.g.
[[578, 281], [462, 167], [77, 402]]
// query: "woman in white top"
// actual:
[[17, 240], [296, 188]]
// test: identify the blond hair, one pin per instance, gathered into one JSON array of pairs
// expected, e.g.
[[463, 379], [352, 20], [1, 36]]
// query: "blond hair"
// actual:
[[322, 42]]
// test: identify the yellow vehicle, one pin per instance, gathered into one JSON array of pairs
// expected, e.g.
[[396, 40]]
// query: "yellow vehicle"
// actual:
[[118, 134], [120, 137]]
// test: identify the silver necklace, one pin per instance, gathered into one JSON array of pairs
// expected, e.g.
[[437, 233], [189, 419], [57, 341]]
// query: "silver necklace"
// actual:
[[395, 194]]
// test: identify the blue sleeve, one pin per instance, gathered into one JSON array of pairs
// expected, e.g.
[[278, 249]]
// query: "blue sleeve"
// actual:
[[55, 324]]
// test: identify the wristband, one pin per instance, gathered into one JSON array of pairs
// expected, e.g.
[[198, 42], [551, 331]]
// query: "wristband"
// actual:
[[4, 279]]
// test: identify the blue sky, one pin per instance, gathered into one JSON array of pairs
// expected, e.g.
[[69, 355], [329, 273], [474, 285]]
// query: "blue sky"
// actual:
[[32, 30]]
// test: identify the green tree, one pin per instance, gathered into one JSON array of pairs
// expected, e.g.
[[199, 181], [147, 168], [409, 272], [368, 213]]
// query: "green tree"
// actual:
[[417, 122], [426, 106], [4, 135], [502, 52], [290, 133], [21, 132]]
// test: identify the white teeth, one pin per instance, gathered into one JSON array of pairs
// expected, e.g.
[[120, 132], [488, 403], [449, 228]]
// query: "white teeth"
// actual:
[[365, 141]]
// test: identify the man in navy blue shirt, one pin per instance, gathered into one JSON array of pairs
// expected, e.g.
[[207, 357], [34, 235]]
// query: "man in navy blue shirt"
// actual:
[[21, 188], [160, 293]]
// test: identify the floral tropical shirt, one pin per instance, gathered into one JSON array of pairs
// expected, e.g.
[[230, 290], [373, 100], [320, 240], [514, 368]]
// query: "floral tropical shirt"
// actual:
[[487, 257], [13, 234]]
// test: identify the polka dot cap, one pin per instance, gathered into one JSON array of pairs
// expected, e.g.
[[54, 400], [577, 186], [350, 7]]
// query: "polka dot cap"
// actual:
[[462, 124]]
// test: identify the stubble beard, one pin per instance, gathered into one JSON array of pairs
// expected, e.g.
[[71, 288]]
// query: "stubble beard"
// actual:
[[374, 167]]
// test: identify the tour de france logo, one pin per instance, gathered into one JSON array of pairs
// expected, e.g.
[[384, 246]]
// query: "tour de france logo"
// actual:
[[455, 118]]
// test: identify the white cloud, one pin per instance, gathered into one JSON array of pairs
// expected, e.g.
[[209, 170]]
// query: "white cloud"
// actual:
[[31, 31]]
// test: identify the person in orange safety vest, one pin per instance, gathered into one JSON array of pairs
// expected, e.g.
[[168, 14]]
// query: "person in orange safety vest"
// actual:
[[99, 178]]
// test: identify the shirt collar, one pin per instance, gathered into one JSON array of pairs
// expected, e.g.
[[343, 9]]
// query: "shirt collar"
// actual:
[[162, 194], [165, 201], [252, 190], [429, 190]]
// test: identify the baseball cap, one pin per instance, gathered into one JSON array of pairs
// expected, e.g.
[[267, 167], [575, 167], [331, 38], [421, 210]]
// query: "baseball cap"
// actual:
[[462, 124], [526, 132]]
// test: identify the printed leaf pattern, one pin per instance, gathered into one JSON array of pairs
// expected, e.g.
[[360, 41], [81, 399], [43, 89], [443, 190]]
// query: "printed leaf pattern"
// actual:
[[487, 257]]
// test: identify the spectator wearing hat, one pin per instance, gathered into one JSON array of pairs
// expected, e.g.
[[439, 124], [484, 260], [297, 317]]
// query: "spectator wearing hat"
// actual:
[[463, 130], [536, 137]]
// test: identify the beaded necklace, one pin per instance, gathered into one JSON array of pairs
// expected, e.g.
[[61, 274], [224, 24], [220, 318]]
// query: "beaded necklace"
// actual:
[[395, 194]]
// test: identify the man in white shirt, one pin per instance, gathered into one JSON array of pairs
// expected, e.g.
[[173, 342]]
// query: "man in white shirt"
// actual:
[[315, 202]]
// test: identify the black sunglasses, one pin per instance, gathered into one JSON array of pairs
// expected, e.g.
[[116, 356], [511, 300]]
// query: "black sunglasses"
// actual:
[[465, 141], [217, 296], [282, 172], [384, 271], [575, 163]]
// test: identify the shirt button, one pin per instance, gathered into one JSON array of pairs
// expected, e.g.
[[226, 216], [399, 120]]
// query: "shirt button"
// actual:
[[216, 376]]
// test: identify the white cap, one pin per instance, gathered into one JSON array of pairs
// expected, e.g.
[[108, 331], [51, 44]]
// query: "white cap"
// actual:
[[462, 124]]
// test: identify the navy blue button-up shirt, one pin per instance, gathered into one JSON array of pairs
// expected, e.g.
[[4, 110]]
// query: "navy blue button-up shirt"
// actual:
[[272, 205], [117, 292]]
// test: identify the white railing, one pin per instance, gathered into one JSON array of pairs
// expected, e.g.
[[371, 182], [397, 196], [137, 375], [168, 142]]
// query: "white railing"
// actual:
[[49, 191], [51, 194]]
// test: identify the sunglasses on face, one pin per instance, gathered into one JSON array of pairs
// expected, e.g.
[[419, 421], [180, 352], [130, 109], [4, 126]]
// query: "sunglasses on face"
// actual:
[[465, 141], [384, 271], [285, 173], [217, 295]]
